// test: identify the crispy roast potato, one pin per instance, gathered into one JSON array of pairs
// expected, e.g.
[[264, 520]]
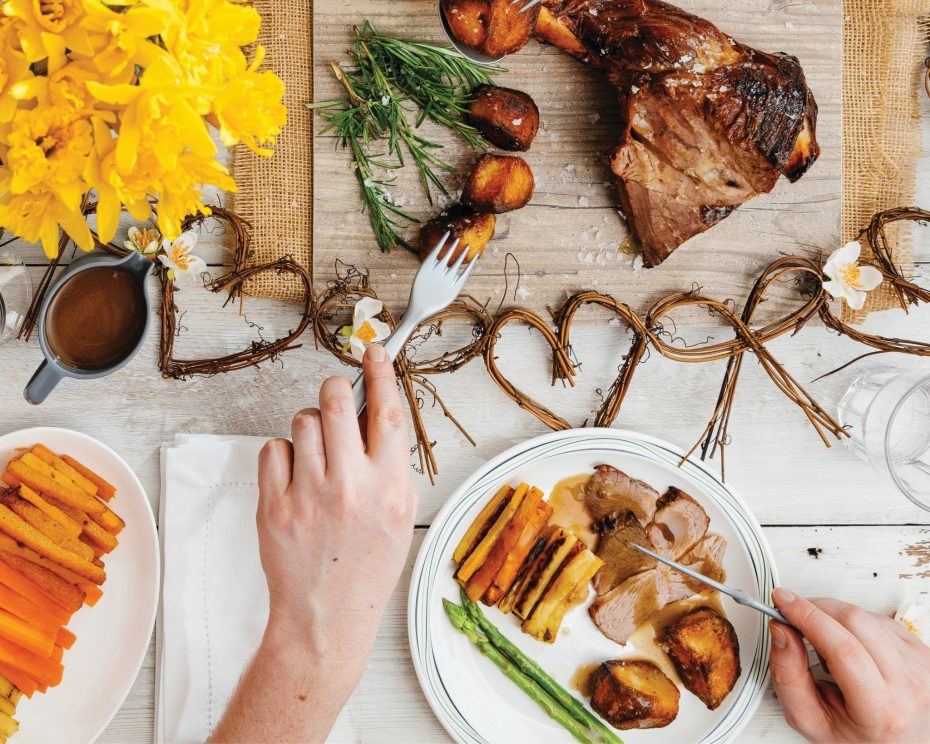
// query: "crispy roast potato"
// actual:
[[507, 118], [499, 183], [705, 651], [509, 30], [551, 30], [492, 27], [568, 589], [634, 694], [467, 20], [473, 230]]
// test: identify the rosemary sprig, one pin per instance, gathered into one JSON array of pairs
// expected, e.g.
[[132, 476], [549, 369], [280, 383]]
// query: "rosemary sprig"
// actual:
[[390, 78]]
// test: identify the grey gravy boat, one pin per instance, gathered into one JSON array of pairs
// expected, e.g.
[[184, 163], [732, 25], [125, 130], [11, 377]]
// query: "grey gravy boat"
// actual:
[[53, 370]]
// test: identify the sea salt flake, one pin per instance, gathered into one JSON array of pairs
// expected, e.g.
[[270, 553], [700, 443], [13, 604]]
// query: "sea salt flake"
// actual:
[[635, 89], [517, 122], [593, 11]]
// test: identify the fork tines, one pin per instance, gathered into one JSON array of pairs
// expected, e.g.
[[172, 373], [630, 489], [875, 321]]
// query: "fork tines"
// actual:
[[526, 5]]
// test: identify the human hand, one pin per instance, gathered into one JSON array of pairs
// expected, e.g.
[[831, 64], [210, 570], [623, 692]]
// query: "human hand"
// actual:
[[335, 516], [881, 672]]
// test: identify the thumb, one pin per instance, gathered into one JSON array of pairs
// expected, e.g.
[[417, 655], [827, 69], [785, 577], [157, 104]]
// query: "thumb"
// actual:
[[794, 683]]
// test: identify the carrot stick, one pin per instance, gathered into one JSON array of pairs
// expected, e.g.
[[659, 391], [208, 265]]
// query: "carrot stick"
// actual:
[[46, 525], [95, 534], [67, 595], [26, 636], [42, 670], [65, 638], [22, 681], [73, 526], [71, 473], [28, 611], [58, 488], [31, 591], [9, 545], [105, 490], [57, 653], [23, 532], [92, 594]]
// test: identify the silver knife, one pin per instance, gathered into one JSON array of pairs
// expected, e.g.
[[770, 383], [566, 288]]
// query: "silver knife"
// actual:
[[740, 597]]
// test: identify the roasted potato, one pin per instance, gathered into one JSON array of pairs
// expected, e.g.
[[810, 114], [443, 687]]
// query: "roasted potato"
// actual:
[[507, 118], [509, 30], [705, 651], [467, 20], [551, 30], [499, 183], [558, 548], [473, 230], [634, 695], [493, 27]]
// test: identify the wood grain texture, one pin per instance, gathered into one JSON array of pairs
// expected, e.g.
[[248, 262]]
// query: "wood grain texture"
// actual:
[[568, 238]]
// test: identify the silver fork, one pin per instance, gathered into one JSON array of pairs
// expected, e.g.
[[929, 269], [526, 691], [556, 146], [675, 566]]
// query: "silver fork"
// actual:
[[527, 5], [435, 286]]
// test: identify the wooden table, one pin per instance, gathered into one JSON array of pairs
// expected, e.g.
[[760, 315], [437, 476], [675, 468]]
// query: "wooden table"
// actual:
[[834, 527]]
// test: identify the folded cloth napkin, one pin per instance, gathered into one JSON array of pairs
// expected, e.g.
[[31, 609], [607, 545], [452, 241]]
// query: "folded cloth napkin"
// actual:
[[214, 597]]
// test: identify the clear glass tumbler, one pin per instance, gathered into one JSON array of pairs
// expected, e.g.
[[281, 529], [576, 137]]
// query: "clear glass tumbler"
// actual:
[[887, 413], [15, 293]]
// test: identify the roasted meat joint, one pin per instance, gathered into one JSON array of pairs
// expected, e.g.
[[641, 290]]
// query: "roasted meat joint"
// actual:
[[707, 123]]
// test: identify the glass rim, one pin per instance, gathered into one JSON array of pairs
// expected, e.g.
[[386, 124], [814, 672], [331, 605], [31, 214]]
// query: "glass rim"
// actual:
[[923, 379]]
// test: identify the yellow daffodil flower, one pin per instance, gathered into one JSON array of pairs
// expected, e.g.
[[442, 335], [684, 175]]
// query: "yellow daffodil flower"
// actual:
[[14, 69], [49, 27]]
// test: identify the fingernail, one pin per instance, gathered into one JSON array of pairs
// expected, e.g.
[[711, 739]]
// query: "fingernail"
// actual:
[[376, 354], [779, 637], [783, 597]]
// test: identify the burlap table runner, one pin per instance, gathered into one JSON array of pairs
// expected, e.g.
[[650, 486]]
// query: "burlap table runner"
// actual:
[[884, 48], [885, 44], [276, 194]]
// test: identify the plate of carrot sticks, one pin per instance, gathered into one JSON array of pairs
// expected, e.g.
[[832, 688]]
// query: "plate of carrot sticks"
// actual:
[[79, 582]]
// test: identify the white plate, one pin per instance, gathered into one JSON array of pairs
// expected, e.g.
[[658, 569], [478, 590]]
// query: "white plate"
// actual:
[[113, 636], [475, 702]]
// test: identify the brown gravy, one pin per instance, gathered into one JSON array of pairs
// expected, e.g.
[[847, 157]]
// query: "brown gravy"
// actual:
[[95, 320], [569, 510]]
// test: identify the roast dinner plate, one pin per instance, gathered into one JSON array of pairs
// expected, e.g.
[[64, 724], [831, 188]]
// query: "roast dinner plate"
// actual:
[[113, 635], [476, 702]]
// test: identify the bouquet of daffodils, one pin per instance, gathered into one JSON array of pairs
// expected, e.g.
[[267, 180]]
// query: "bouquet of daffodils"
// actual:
[[122, 97]]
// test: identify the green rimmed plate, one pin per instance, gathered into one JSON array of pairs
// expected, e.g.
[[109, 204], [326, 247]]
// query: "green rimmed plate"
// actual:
[[475, 702]]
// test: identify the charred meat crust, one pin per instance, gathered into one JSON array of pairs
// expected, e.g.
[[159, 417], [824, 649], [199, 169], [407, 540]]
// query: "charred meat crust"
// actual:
[[685, 87]]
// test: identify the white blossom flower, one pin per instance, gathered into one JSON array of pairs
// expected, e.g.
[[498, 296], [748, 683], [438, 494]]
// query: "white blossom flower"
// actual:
[[849, 280], [915, 616], [147, 241], [177, 256], [365, 329]]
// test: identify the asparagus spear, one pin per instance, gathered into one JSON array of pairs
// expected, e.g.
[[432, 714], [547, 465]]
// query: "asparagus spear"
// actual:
[[464, 624], [531, 669]]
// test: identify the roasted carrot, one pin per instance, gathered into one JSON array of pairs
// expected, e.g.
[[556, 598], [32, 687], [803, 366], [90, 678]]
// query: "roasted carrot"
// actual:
[[56, 486], [105, 490], [57, 653], [23, 532], [67, 595], [73, 526], [28, 611], [31, 591], [29, 637], [70, 472], [46, 525], [92, 594], [95, 534], [42, 670], [65, 638], [22, 681]]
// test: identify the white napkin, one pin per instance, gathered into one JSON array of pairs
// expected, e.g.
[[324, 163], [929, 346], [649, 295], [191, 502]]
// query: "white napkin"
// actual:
[[214, 597]]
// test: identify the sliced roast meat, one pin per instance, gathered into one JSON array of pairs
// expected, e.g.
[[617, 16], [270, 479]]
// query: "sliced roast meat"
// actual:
[[627, 606], [612, 492], [615, 548], [679, 524]]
